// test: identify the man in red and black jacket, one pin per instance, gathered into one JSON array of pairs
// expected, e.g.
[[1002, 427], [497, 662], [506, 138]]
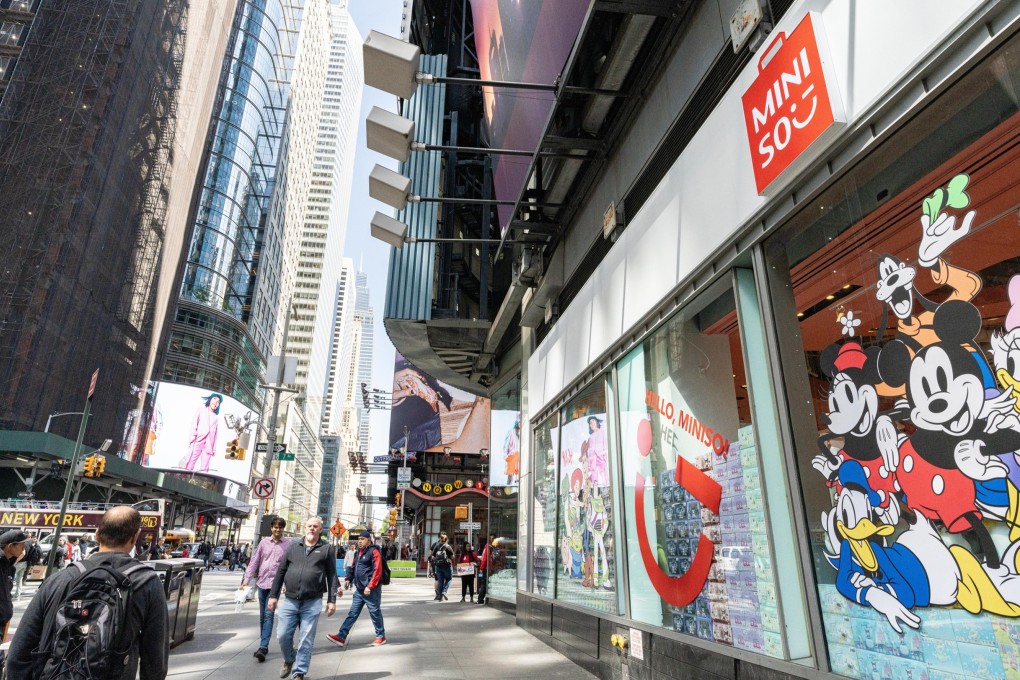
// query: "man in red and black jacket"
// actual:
[[365, 574]]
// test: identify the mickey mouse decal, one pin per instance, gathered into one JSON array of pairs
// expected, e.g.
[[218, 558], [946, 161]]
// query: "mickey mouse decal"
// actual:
[[912, 481]]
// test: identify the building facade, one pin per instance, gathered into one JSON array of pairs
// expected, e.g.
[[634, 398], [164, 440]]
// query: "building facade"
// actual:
[[223, 333], [91, 91], [767, 390]]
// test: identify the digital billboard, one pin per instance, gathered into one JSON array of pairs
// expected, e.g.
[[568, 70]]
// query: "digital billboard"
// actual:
[[505, 449], [435, 414], [189, 431], [522, 42]]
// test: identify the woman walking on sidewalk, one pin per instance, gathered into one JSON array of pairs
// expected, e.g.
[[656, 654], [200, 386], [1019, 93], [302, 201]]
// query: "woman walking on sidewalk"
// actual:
[[467, 565]]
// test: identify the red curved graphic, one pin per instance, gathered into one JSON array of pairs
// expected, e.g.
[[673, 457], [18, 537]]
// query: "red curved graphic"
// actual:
[[680, 591]]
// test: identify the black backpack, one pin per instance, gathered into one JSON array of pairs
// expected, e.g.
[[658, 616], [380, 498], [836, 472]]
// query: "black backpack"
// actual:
[[87, 631], [440, 557], [385, 580]]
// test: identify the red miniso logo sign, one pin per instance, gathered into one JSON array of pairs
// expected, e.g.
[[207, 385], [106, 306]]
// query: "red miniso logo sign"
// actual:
[[792, 104]]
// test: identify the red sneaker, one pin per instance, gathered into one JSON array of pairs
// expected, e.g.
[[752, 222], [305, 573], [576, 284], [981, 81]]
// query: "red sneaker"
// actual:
[[336, 639], [378, 641]]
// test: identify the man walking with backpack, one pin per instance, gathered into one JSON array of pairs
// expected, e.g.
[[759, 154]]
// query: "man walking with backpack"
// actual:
[[308, 569], [366, 575], [121, 630], [442, 565]]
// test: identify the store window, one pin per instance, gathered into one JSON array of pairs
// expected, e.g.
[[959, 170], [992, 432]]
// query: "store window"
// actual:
[[587, 556], [545, 550], [897, 301], [697, 535], [504, 484]]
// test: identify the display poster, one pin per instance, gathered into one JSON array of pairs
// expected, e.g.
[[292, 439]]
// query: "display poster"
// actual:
[[505, 450], [190, 429], [435, 414]]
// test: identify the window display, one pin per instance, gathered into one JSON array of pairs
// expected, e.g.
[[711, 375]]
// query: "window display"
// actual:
[[587, 563], [905, 276], [697, 539], [504, 480], [547, 440]]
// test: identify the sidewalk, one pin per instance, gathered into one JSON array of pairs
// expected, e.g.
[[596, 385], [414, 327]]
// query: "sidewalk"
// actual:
[[425, 639]]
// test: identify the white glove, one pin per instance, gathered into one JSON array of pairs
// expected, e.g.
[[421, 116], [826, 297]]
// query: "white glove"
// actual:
[[825, 465], [888, 442], [937, 237], [892, 609], [975, 464]]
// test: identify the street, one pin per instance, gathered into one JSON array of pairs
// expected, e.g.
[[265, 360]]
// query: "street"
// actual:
[[425, 639]]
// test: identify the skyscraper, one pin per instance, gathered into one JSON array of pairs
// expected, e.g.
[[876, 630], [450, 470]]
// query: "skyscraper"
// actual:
[[221, 333], [104, 110], [365, 324]]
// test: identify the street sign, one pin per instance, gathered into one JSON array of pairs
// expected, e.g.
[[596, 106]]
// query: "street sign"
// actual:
[[473, 526], [285, 455], [264, 487], [403, 486], [92, 383], [26, 494], [262, 447], [404, 475]]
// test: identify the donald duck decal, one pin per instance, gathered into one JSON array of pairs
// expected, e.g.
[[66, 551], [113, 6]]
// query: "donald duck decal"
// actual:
[[926, 507]]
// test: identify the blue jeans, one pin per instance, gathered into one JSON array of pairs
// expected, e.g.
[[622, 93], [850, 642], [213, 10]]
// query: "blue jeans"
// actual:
[[265, 619], [374, 604], [292, 614], [443, 577]]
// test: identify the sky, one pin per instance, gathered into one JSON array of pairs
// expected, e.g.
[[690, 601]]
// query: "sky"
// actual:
[[373, 255]]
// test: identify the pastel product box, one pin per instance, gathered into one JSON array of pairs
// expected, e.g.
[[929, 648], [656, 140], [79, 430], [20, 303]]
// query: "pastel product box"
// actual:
[[678, 622], [935, 674], [773, 644], [746, 560], [844, 660], [756, 522], [1006, 633], [832, 601], [713, 532], [745, 436], [722, 632], [942, 655], [1010, 662], [742, 597], [728, 523], [839, 629], [760, 545], [864, 635], [690, 625], [709, 517], [980, 661], [752, 480], [742, 617], [733, 486], [719, 611], [769, 619], [886, 640], [871, 665], [908, 669], [972, 629], [751, 640], [911, 645], [702, 607], [749, 458], [763, 568], [754, 500]]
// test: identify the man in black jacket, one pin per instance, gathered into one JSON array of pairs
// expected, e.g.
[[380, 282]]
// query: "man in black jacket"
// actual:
[[147, 620], [308, 569], [12, 549]]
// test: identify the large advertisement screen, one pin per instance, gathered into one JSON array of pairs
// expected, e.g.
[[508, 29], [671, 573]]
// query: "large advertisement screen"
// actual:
[[505, 449], [189, 432], [522, 42], [434, 414]]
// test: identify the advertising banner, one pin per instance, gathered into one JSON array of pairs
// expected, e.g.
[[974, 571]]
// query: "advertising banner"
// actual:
[[505, 449], [190, 430], [523, 42], [435, 414]]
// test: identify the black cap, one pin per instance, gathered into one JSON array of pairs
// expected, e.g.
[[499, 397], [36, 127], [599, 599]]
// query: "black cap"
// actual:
[[12, 536]]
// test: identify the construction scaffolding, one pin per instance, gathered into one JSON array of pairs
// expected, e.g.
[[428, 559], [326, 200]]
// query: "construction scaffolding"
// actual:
[[87, 124]]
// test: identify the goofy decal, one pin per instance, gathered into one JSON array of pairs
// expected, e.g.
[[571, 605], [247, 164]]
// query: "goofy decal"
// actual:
[[917, 486]]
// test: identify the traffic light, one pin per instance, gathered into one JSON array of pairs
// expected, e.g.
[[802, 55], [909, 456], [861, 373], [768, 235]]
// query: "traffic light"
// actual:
[[396, 498], [90, 466], [239, 453], [100, 464], [232, 449], [393, 517]]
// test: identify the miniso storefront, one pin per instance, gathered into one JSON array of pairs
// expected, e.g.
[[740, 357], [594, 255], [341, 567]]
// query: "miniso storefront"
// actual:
[[779, 426]]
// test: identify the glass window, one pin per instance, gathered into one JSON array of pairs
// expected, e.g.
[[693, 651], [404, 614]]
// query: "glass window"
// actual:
[[504, 480], [544, 557], [698, 548], [897, 301], [586, 548]]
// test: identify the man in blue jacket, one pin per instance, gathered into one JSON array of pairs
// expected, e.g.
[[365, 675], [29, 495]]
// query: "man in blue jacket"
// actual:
[[308, 569], [365, 574]]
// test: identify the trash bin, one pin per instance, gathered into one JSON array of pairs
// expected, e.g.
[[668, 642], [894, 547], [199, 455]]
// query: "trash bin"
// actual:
[[179, 578]]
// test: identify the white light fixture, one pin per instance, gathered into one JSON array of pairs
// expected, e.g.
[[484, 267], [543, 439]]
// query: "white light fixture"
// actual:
[[389, 134], [390, 187], [389, 230], [391, 64]]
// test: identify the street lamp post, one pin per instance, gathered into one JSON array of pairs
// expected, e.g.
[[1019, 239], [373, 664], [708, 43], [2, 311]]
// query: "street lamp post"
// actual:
[[50, 418]]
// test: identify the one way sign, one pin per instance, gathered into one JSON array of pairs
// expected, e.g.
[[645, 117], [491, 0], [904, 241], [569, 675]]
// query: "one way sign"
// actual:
[[262, 447]]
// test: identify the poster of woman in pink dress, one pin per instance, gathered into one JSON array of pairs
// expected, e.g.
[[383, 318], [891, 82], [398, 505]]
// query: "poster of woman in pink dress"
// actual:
[[202, 440]]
